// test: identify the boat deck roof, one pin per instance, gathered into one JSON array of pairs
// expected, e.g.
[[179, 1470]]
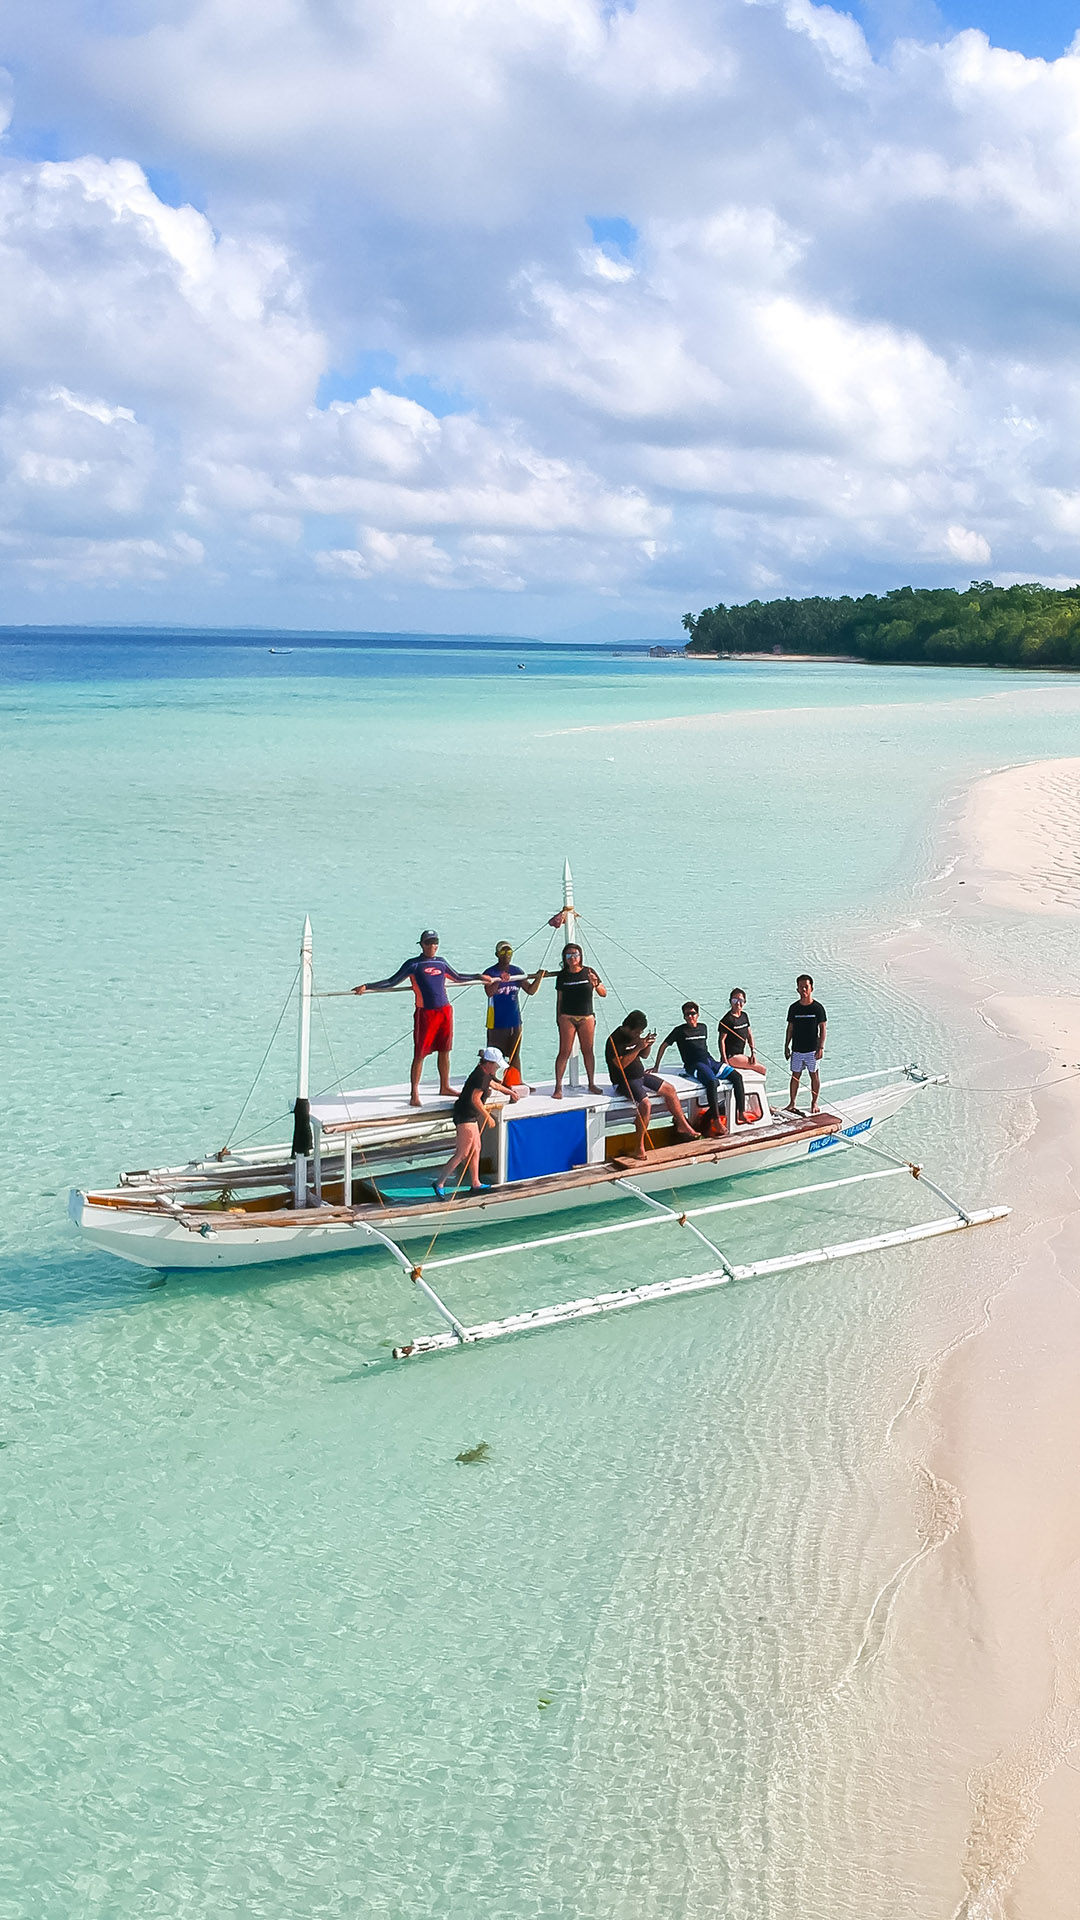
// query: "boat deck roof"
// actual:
[[371, 1106]]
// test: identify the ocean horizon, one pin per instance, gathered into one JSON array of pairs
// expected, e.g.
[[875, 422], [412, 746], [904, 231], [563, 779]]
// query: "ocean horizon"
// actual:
[[307, 636]]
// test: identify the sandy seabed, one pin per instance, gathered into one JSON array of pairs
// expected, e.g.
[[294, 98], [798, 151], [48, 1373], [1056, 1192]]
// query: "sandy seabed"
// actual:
[[997, 1613], [1021, 838]]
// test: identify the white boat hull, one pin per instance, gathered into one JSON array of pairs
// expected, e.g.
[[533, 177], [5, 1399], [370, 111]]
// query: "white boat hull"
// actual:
[[150, 1238]]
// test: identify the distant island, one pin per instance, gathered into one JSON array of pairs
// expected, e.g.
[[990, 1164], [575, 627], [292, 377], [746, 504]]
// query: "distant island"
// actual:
[[1025, 626]]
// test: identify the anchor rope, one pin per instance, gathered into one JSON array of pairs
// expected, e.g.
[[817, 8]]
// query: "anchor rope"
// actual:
[[1033, 1086]]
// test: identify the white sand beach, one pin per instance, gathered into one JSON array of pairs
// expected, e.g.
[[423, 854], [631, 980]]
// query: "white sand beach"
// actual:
[[1000, 1422], [1021, 830]]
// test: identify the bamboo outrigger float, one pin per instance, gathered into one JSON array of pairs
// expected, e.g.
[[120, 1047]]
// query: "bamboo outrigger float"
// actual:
[[359, 1174]]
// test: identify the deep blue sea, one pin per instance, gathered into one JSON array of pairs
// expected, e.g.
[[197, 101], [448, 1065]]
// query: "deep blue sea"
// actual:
[[270, 1648]]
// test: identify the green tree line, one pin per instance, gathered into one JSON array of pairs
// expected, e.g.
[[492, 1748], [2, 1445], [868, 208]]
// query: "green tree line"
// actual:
[[1025, 626]]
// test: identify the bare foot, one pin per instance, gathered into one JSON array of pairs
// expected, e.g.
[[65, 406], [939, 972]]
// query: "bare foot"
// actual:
[[556, 1093], [416, 1101], [593, 1089], [689, 1134], [813, 1111]]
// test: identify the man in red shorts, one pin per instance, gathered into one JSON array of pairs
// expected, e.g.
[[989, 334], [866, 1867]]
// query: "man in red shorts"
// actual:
[[433, 1020]]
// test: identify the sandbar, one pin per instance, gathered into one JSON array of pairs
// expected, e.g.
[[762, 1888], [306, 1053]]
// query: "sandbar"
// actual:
[[1021, 835], [998, 1613]]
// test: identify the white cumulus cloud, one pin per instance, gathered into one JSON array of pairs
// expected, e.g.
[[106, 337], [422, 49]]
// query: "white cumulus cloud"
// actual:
[[566, 306]]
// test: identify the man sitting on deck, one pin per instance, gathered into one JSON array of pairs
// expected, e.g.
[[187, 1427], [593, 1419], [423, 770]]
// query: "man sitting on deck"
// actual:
[[692, 1039], [626, 1052], [433, 1019]]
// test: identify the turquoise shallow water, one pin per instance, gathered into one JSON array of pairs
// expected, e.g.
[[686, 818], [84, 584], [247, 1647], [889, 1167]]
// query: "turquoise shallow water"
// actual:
[[270, 1650]]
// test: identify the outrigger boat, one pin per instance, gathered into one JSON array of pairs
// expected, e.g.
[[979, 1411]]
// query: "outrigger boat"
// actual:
[[359, 1172]]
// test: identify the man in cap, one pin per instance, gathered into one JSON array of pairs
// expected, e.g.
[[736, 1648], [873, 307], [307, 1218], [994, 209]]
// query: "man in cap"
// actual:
[[504, 983], [470, 1115], [433, 1019]]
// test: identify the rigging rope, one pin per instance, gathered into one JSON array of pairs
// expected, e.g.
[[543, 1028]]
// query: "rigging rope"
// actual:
[[285, 1007], [638, 962], [354, 1072], [761, 1060]]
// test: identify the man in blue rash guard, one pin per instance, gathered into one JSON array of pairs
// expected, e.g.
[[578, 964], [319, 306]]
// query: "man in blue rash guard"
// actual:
[[692, 1040], [433, 1017]]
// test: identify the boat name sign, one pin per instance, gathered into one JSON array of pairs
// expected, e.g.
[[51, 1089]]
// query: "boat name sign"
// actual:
[[848, 1133]]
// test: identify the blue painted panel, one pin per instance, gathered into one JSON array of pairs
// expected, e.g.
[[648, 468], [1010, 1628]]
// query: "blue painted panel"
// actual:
[[547, 1143], [830, 1139]]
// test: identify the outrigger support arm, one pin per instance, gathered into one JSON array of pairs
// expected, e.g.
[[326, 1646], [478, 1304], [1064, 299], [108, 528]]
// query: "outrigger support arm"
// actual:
[[441, 1307], [416, 1276], [662, 1219], [683, 1220], [915, 1171], [601, 1303]]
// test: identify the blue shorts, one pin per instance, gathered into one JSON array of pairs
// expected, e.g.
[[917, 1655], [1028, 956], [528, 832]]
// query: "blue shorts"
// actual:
[[804, 1063]]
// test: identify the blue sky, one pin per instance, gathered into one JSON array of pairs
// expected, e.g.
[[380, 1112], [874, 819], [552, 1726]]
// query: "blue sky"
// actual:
[[549, 317], [1042, 29]]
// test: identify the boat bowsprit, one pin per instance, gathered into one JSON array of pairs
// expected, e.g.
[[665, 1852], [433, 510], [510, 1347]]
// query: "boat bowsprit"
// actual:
[[358, 1174]]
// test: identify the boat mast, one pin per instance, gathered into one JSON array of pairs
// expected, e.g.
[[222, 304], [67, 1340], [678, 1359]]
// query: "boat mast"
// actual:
[[570, 937], [302, 1141]]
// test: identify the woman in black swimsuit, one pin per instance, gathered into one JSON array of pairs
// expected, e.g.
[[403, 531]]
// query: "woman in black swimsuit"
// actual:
[[575, 984]]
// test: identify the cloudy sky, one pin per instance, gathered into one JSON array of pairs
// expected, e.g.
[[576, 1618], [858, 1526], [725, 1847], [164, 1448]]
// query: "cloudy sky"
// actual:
[[533, 316]]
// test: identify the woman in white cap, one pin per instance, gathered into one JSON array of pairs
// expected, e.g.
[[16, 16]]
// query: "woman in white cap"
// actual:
[[469, 1115]]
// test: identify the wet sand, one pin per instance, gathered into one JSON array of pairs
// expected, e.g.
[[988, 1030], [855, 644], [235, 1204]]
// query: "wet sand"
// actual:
[[997, 1614], [1020, 834]]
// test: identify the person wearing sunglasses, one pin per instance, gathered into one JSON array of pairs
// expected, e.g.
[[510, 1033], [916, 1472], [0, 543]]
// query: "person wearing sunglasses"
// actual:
[[692, 1039]]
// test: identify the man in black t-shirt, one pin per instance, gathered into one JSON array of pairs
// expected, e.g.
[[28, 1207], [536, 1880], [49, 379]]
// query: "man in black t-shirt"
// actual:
[[804, 1042], [692, 1039]]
